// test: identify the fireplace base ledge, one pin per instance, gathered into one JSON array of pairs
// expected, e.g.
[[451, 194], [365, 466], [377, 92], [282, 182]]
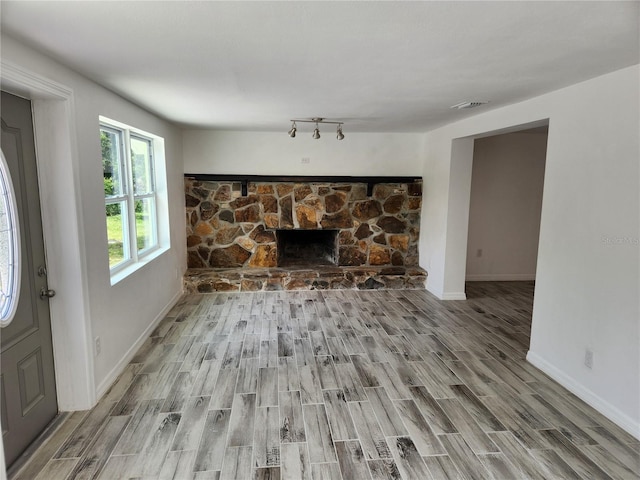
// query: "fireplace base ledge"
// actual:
[[208, 280]]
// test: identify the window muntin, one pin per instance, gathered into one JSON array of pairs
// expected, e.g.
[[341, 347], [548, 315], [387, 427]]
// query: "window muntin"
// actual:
[[130, 195], [10, 254]]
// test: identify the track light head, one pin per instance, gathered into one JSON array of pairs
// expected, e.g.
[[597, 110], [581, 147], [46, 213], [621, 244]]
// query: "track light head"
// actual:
[[316, 133], [339, 135], [292, 132]]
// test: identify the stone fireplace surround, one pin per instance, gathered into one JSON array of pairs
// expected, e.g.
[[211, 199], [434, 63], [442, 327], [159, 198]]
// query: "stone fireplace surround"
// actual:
[[232, 239]]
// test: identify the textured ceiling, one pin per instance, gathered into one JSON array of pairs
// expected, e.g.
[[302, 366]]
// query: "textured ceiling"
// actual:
[[377, 66]]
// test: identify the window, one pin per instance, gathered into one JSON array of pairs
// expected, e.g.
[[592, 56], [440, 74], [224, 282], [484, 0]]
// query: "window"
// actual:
[[130, 191], [9, 247]]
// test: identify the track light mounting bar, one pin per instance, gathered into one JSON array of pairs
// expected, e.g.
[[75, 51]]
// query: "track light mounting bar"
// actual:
[[316, 120]]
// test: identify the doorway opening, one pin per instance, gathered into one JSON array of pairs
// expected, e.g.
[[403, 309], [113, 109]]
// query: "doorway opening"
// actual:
[[505, 206]]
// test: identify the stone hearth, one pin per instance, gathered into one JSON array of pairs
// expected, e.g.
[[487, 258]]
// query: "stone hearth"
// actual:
[[319, 278]]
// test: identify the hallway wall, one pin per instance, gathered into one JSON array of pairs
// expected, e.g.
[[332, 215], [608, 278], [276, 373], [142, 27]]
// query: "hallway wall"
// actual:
[[505, 206]]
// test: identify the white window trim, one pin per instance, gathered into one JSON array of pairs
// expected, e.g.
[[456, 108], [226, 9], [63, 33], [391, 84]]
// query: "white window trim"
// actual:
[[161, 244]]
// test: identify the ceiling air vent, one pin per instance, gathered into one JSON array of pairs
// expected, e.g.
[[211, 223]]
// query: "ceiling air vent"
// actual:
[[461, 105]]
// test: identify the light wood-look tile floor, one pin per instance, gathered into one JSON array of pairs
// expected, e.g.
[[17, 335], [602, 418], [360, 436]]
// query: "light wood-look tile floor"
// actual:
[[339, 385]]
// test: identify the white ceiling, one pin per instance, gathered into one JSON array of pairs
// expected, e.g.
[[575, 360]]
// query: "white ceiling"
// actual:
[[377, 66]]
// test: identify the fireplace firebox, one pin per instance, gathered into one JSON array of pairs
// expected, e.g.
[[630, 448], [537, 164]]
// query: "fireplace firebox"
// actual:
[[307, 247]]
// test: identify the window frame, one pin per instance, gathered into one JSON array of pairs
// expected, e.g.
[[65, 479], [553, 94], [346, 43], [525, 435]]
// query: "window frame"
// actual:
[[127, 197]]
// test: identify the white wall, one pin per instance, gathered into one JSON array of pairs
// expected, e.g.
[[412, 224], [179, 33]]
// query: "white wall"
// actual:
[[121, 315], [269, 153], [587, 278], [505, 206]]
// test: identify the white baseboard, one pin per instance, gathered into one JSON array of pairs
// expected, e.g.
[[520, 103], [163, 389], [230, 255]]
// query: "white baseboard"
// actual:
[[124, 361], [453, 296], [447, 295], [605, 408], [501, 277]]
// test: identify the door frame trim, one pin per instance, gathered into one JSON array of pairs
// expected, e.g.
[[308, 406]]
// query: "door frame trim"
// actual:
[[59, 184]]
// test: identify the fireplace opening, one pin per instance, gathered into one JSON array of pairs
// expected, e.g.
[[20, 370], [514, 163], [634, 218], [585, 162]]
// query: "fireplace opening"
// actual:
[[307, 247]]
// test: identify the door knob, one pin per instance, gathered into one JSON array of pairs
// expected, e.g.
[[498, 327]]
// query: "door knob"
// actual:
[[44, 293]]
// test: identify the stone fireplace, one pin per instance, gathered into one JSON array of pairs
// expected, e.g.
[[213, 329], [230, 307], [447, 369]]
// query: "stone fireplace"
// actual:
[[258, 226]]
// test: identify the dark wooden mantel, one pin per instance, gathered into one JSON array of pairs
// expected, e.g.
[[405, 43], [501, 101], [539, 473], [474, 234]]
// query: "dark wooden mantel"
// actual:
[[246, 179]]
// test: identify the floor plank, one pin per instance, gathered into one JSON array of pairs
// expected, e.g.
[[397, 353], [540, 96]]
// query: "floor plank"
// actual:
[[213, 442], [385, 469], [237, 463], [191, 425], [369, 432], [157, 444], [319, 437], [351, 460], [419, 430], [386, 413], [338, 414], [407, 458], [266, 438], [99, 450], [291, 420], [294, 460], [242, 420]]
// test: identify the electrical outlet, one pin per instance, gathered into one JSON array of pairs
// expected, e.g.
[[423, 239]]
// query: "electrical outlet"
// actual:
[[306, 160], [588, 358], [98, 346], [479, 253]]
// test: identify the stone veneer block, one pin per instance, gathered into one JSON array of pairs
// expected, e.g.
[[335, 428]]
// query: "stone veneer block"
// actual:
[[306, 216], [265, 256], [366, 210], [341, 220]]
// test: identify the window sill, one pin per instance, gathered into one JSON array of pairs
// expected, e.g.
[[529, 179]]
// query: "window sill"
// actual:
[[120, 275]]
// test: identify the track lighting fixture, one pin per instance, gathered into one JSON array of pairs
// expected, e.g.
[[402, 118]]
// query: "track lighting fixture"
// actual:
[[316, 131]]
